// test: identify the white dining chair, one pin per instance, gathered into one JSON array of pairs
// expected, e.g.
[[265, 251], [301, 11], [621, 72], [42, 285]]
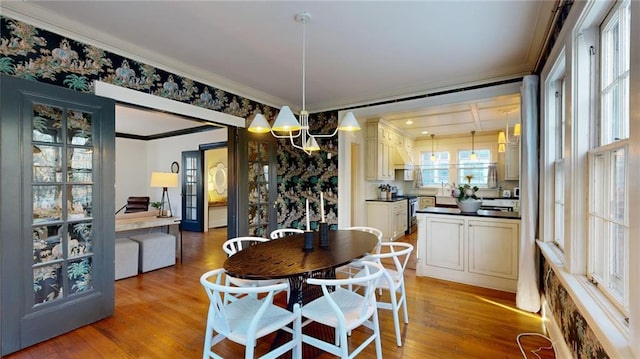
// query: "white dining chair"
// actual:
[[282, 232], [349, 269], [248, 318], [393, 280], [345, 310], [235, 245]]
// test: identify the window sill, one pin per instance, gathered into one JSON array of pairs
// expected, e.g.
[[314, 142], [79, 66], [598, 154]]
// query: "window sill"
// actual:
[[604, 319]]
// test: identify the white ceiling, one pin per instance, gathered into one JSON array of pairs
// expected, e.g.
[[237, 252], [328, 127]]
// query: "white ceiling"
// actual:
[[358, 52]]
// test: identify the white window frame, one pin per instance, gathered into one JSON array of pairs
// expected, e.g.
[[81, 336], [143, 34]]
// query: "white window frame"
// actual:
[[603, 261]]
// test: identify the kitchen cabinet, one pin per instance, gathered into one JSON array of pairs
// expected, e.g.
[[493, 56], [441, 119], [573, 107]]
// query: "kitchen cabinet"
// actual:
[[389, 217], [379, 153], [426, 202], [473, 250], [512, 162]]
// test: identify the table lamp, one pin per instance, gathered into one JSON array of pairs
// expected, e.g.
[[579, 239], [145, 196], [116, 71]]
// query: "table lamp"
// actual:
[[164, 180]]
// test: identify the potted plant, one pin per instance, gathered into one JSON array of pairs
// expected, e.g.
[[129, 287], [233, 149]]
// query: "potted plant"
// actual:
[[158, 206], [466, 196]]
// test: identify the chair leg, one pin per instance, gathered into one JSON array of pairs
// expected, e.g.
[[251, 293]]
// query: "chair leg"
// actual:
[[376, 331], [297, 332], [396, 315], [403, 302]]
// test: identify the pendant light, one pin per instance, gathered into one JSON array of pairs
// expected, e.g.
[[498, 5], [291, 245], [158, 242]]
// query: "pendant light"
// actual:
[[287, 123], [473, 156], [503, 136], [433, 153]]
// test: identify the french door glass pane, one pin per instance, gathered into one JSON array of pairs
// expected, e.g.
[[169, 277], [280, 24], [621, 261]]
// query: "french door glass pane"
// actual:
[[47, 243], [78, 128], [47, 123], [48, 284], [47, 203], [62, 202], [80, 162], [47, 163]]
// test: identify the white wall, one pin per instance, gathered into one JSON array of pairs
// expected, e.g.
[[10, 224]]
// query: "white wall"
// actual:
[[136, 159], [132, 174]]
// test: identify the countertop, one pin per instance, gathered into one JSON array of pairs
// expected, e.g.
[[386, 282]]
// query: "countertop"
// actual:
[[481, 213], [393, 199]]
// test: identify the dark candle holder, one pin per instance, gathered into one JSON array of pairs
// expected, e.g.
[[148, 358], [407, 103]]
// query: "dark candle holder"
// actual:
[[324, 234], [307, 245]]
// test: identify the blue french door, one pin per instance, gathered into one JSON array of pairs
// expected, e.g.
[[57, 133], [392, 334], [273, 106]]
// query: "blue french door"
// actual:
[[192, 191]]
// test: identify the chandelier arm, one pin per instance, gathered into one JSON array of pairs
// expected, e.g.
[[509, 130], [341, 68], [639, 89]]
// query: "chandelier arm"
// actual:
[[290, 135], [323, 135]]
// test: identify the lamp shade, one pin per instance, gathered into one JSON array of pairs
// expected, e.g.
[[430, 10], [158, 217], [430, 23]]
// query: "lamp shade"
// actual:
[[312, 145], [502, 140], [164, 179], [259, 124], [286, 121], [516, 130], [349, 123]]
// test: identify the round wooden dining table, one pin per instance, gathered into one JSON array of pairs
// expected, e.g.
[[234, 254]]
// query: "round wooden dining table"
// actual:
[[285, 258]]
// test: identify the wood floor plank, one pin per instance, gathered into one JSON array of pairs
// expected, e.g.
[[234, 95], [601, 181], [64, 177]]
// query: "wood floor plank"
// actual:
[[161, 314]]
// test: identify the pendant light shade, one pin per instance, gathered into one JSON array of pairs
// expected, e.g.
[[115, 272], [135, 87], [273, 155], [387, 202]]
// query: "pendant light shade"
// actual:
[[259, 124], [349, 123], [311, 145], [286, 121]]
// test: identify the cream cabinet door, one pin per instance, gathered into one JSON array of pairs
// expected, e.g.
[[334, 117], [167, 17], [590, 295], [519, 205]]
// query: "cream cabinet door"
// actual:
[[445, 243], [493, 248]]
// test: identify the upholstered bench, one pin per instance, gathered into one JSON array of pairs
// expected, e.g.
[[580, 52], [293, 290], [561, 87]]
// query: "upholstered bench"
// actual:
[[126, 258], [157, 250]]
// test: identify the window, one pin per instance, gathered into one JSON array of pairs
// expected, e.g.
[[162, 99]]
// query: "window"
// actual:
[[615, 33], [608, 262], [559, 179], [478, 168], [435, 171]]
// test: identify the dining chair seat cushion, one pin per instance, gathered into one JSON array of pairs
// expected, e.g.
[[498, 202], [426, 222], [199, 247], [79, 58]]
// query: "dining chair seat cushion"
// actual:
[[242, 311], [349, 302]]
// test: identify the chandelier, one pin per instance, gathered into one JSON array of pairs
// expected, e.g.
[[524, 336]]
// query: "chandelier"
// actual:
[[287, 126], [503, 136]]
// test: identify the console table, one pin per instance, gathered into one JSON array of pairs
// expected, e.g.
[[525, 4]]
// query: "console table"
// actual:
[[136, 223]]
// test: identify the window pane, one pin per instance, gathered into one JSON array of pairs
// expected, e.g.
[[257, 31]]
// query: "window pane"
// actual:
[[435, 172], [477, 169], [618, 185], [617, 276]]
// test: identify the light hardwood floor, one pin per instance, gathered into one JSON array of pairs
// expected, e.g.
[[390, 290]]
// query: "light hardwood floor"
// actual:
[[161, 314]]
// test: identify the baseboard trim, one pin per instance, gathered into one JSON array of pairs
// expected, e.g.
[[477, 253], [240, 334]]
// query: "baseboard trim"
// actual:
[[555, 333]]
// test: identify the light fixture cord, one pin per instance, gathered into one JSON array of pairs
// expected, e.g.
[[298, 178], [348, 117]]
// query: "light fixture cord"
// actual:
[[304, 61]]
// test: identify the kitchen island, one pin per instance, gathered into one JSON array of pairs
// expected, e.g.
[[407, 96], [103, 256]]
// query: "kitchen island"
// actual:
[[478, 248]]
